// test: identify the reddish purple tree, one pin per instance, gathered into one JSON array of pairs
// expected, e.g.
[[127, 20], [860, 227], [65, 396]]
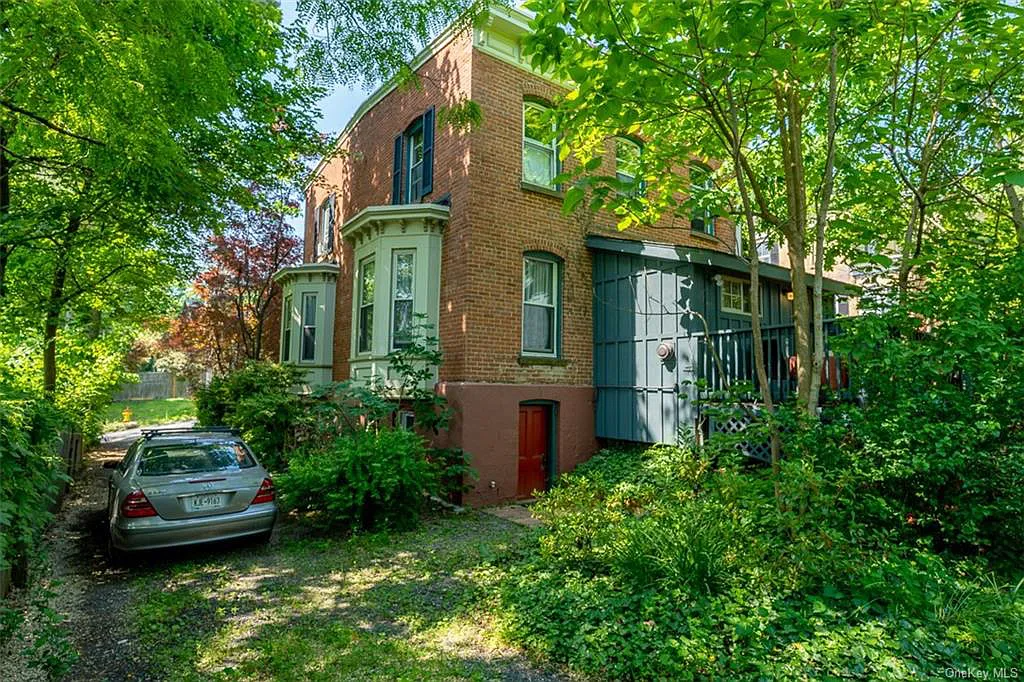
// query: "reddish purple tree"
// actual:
[[237, 311]]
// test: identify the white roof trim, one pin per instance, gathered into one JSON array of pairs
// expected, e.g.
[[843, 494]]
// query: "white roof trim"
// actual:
[[325, 270]]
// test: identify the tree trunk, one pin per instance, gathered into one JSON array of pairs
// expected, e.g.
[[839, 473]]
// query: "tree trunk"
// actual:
[[821, 221], [789, 115], [5, 207], [55, 307], [755, 288]]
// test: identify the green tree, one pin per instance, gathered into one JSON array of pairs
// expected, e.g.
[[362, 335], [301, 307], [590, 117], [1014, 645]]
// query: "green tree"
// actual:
[[786, 101], [125, 127]]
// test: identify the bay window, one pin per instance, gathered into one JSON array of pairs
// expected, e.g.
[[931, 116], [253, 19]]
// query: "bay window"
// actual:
[[403, 270], [286, 329], [364, 328], [308, 348]]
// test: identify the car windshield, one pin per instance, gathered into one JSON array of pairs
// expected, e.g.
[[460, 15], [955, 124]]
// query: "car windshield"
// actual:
[[194, 458]]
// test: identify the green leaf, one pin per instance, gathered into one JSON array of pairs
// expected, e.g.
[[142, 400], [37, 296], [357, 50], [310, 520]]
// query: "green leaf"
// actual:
[[573, 196]]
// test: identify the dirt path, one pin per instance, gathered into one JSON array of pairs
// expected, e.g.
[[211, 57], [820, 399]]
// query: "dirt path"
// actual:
[[284, 611], [93, 595], [87, 591]]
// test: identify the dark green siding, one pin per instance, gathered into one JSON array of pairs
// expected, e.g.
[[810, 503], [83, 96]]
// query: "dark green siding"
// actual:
[[640, 302]]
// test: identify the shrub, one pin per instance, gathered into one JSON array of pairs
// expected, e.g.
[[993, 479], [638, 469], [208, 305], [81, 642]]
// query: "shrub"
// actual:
[[455, 476], [940, 452], [261, 401], [362, 480], [654, 565], [31, 471]]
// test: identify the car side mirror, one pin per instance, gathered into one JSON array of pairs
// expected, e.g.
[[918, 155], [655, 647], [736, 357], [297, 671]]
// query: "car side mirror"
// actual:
[[110, 464]]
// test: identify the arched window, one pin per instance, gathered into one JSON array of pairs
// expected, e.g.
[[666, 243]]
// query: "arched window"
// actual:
[[702, 184], [540, 146]]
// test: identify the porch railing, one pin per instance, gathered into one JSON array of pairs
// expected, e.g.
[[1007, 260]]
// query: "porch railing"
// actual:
[[736, 349]]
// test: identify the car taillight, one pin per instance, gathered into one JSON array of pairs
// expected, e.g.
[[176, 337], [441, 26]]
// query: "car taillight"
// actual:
[[265, 493], [136, 505]]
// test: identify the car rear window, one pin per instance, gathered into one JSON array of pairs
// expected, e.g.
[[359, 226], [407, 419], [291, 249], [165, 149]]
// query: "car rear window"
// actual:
[[194, 458]]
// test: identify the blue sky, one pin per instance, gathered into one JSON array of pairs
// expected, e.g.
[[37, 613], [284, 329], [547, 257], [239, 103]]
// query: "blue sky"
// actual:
[[335, 109]]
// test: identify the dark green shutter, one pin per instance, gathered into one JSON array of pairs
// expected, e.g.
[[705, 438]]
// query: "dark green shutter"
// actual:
[[396, 173], [428, 151]]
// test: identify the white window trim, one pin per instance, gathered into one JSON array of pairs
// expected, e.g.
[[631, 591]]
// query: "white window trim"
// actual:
[[395, 253], [323, 241], [360, 304], [417, 128], [537, 144], [285, 350], [618, 159], [301, 359], [744, 293], [556, 298]]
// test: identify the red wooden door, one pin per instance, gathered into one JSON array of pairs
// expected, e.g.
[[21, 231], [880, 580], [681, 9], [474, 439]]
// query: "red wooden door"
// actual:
[[534, 440]]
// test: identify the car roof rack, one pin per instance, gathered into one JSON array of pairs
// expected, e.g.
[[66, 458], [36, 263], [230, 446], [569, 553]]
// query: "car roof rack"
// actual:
[[181, 430]]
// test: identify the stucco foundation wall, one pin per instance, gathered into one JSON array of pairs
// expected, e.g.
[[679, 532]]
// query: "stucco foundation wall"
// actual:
[[486, 425]]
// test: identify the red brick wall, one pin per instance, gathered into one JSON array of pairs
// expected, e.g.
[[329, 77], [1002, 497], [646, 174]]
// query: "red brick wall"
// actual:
[[508, 220], [359, 174], [493, 221]]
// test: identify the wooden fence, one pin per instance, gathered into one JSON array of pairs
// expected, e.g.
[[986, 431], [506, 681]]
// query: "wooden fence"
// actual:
[[152, 386]]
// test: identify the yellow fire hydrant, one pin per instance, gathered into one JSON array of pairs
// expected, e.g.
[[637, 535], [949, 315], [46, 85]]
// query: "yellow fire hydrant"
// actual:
[[126, 415]]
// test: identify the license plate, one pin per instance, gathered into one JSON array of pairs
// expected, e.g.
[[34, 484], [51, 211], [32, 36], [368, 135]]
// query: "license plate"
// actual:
[[205, 502]]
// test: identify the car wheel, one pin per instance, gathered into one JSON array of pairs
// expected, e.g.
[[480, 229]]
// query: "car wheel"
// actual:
[[115, 556]]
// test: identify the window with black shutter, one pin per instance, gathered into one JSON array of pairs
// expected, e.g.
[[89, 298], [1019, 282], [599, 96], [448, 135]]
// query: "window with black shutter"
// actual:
[[412, 172]]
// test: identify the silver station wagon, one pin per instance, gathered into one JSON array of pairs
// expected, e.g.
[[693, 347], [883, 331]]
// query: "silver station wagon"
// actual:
[[186, 486]]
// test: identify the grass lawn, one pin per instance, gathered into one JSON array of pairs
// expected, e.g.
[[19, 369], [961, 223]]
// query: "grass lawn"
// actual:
[[148, 412], [389, 606]]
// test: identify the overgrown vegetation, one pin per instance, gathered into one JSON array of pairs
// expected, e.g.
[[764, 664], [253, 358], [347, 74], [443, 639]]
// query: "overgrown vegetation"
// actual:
[[34, 635], [31, 472], [341, 456], [662, 564]]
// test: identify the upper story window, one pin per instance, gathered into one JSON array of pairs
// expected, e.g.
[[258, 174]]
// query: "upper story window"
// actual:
[[735, 296], [403, 275], [627, 165], [702, 219], [540, 146], [412, 173], [364, 325], [307, 352], [842, 305], [286, 329], [769, 253], [542, 301], [414, 161], [323, 228]]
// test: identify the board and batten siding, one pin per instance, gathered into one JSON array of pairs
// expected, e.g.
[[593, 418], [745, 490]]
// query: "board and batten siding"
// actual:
[[639, 303]]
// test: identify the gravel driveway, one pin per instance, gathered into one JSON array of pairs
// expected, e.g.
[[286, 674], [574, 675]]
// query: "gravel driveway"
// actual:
[[307, 607]]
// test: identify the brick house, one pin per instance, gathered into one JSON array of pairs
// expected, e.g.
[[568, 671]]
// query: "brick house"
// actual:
[[557, 331]]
